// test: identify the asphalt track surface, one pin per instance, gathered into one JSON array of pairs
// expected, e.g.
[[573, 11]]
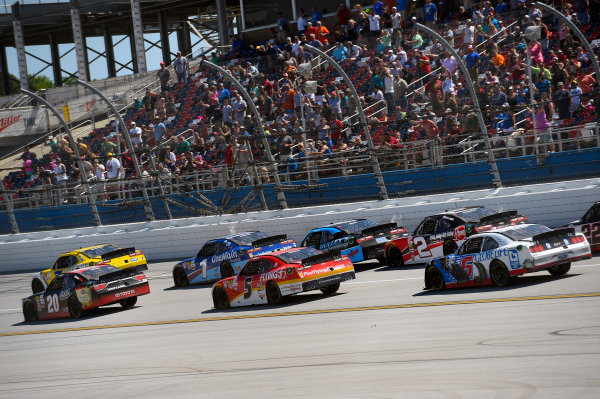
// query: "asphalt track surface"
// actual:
[[381, 336]]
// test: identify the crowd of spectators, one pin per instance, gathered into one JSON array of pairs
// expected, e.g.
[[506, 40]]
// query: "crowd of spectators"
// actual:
[[410, 84]]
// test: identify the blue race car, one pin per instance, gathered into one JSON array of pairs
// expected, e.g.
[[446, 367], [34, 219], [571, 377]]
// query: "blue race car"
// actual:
[[358, 239], [225, 257]]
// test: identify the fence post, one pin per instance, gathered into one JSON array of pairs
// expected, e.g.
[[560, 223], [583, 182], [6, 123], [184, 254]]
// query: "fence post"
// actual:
[[361, 114], [14, 227], [463, 68], [136, 165], [261, 129], [82, 173]]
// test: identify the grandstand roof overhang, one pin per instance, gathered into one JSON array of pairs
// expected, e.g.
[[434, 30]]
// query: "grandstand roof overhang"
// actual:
[[39, 20]]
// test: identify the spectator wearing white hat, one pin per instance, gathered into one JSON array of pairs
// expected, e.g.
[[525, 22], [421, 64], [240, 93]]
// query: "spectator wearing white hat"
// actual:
[[136, 135]]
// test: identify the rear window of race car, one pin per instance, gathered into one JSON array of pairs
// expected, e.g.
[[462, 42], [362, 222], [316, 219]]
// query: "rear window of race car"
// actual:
[[474, 214], [524, 232], [97, 252], [355, 226], [297, 255], [96, 272], [247, 238]]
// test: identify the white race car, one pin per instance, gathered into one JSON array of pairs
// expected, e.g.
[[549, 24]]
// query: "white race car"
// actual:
[[496, 256]]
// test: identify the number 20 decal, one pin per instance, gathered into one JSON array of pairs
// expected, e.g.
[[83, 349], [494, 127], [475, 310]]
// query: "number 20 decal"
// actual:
[[52, 303], [421, 245]]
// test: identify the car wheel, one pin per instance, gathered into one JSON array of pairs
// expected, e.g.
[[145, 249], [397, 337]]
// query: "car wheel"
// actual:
[[37, 286], [75, 309], [29, 311], [273, 293], [559, 270], [180, 277], [330, 289], [434, 279], [220, 298], [128, 302], [226, 270], [393, 257], [499, 274], [450, 247]]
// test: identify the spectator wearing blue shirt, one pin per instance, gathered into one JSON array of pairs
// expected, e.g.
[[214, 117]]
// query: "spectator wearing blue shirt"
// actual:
[[340, 53], [316, 15], [378, 8], [160, 130], [472, 61], [502, 7], [430, 13], [223, 93]]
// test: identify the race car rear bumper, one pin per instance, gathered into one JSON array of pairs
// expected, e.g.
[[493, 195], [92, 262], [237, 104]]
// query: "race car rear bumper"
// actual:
[[319, 283]]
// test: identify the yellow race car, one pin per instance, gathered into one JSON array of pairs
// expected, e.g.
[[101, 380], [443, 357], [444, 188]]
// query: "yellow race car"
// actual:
[[103, 254]]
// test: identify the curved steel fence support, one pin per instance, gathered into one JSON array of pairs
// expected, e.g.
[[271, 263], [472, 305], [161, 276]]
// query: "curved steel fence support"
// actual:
[[463, 69], [82, 173], [136, 165], [575, 30], [261, 129], [361, 115]]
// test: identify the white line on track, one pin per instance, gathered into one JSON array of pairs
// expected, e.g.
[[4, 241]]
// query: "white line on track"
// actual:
[[8, 310]]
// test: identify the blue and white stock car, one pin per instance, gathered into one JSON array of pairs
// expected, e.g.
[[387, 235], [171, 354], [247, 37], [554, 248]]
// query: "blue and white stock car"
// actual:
[[497, 255], [358, 239], [225, 257]]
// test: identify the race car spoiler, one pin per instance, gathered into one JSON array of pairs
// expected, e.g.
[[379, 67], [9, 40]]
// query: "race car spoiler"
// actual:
[[553, 234], [379, 229], [269, 240], [123, 273], [321, 258], [117, 253], [499, 218]]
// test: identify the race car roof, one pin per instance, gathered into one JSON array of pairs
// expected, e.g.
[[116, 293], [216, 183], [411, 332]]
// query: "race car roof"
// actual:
[[244, 238], [353, 226], [294, 255], [470, 214], [520, 232]]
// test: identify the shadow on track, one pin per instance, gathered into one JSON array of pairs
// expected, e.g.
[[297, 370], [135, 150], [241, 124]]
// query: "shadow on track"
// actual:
[[516, 283], [287, 302], [87, 315]]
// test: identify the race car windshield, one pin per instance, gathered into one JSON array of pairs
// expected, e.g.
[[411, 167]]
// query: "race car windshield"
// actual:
[[247, 238], [520, 233], [355, 226], [96, 272], [474, 214], [99, 251], [298, 254]]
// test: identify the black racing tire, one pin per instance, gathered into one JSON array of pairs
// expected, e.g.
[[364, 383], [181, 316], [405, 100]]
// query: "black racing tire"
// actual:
[[273, 293], [330, 289], [220, 298], [450, 247], [29, 311], [37, 286], [560, 270], [393, 256], [128, 302], [180, 277], [434, 279], [381, 260], [75, 309], [226, 270], [499, 274]]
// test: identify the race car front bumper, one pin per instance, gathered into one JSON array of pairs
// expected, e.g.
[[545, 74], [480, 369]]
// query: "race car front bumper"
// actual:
[[319, 283]]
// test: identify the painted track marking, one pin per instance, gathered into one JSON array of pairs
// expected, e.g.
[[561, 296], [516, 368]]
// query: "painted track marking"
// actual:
[[308, 312]]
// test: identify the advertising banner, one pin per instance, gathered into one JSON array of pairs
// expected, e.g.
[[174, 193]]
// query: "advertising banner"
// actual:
[[25, 121]]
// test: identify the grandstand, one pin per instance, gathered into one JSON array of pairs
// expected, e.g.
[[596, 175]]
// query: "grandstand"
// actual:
[[212, 158]]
